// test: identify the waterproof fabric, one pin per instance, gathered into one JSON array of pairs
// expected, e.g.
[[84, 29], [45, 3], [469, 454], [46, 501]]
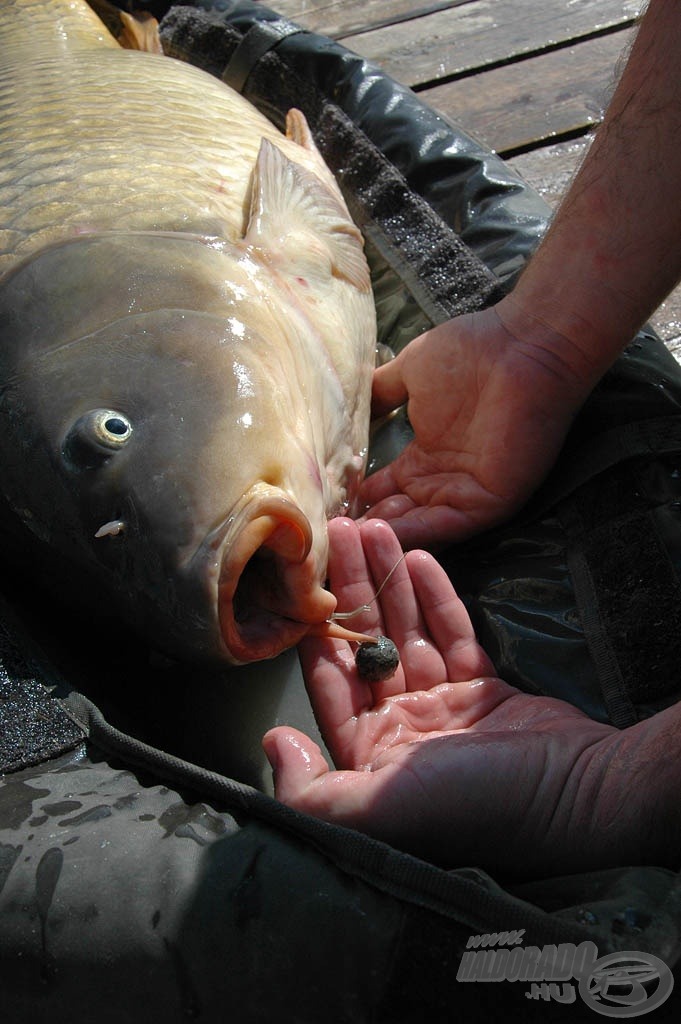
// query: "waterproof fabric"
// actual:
[[136, 886]]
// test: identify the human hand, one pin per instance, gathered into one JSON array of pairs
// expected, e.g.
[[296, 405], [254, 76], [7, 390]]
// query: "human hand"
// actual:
[[445, 760], [490, 402]]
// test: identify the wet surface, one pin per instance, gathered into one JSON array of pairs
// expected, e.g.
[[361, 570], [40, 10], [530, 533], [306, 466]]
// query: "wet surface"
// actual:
[[158, 897]]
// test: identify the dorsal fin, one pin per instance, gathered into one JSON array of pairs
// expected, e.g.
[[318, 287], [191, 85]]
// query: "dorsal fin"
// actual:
[[289, 202]]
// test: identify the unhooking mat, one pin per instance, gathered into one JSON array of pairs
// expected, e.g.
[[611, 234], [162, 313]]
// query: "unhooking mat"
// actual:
[[137, 886]]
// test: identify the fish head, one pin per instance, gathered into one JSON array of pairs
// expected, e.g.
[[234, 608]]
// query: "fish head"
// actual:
[[168, 430]]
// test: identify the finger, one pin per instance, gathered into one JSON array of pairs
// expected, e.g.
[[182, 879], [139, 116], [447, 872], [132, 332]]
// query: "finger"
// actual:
[[422, 663], [350, 579], [415, 517], [365, 800], [337, 694], [303, 780], [383, 553], [296, 762], [379, 486], [447, 620], [388, 390], [402, 620], [430, 527]]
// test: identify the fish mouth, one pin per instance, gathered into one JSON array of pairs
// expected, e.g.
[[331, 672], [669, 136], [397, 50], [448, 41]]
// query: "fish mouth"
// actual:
[[269, 590]]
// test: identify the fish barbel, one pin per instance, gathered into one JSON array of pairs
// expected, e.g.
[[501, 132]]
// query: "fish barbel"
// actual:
[[187, 334]]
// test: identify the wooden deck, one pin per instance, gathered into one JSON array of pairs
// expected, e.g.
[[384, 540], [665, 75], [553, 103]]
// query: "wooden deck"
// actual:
[[529, 78]]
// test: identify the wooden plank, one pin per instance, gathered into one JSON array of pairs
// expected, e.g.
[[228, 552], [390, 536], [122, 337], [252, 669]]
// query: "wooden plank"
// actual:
[[348, 17], [518, 105], [462, 39], [482, 36], [667, 323], [549, 171]]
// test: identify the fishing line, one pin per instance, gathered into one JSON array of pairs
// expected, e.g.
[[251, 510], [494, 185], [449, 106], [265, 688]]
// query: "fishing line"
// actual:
[[367, 607]]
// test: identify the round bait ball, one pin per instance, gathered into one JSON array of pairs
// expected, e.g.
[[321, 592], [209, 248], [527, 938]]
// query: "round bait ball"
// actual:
[[376, 662]]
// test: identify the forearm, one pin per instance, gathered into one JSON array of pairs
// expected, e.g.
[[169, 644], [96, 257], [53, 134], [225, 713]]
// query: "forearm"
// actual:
[[614, 249]]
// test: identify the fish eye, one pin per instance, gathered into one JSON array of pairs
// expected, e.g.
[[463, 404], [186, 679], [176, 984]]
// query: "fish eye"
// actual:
[[112, 429], [97, 434], [104, 427]]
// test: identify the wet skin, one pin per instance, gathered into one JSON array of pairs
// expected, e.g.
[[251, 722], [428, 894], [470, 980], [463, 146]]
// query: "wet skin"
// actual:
[[449, 762]]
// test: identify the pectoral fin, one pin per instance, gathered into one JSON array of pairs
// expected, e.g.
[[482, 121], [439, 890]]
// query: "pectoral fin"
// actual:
[[140, 32], [294, 214], [136, 31]]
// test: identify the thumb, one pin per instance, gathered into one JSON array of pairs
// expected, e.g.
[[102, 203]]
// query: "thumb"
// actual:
[[296, 763], [388, 389], [303, 780]]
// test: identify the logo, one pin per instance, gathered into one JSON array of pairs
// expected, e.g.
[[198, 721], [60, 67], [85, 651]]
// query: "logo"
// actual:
[[620, 985], [626, 984]]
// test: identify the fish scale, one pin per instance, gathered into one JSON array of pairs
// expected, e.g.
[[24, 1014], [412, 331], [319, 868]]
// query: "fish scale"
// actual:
[[167, 166], [187, 336]]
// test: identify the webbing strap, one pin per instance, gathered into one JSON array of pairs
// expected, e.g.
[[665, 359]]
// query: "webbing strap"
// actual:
[[262, 37], [627, 590]]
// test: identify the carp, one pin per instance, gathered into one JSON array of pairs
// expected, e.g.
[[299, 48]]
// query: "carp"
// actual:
[[187, 335]]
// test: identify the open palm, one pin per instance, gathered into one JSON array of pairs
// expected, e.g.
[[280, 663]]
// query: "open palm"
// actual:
[[489, 411], [445, 760]]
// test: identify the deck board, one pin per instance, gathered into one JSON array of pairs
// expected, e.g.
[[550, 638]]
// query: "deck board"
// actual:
[[517, 74], [550, 169], [346, 17], [522, 104], [468, 38], [460, 38]]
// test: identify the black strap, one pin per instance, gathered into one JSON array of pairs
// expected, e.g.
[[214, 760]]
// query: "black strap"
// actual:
[[262, 37], [627, 589]]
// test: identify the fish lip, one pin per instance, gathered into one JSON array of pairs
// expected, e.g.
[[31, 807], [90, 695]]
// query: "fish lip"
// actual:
[[273, 635], [251, 504], [251, 552]]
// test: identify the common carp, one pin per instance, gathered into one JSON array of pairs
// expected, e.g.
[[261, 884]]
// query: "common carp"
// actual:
[[187, 334]]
